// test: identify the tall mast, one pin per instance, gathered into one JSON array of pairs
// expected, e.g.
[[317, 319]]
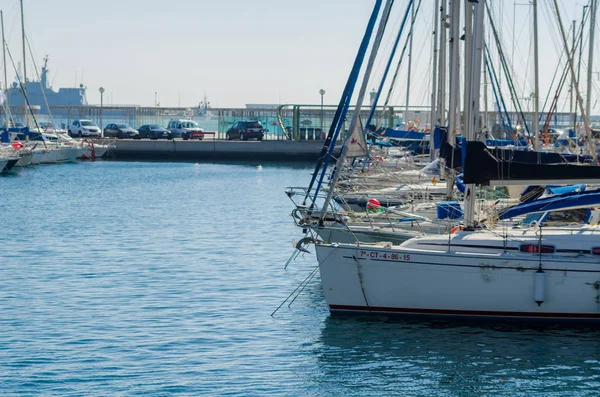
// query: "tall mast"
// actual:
[[24, 67], [410, 48], [584, 115], [468, 41], [453, 98], [433, 116], [4, 58], [441, 107], [472, 124], [536, 85], [6, 103], [354, 123], [573, 79], [590, 57], [485, 98]]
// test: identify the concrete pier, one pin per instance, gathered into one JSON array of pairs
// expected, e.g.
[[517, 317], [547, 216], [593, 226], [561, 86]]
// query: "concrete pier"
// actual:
[[267, 150]]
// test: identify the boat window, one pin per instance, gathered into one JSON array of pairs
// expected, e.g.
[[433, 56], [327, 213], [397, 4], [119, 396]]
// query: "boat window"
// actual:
[[579, 215], [535, 248], [533, 217]]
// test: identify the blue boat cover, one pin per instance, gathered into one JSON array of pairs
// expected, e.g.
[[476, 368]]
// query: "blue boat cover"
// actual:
[[557, 189], [561, 202], [505, 142], [401, 134], [4, 133]]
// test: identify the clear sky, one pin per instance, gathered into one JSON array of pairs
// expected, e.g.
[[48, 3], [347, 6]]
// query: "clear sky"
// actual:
[[235, 51]]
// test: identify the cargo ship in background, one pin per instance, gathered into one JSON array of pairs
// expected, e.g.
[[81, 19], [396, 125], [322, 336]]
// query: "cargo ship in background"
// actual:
[[37, 89]]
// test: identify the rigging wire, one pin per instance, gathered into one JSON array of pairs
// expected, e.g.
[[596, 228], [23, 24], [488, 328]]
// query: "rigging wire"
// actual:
[[23, 91], [43, 89]]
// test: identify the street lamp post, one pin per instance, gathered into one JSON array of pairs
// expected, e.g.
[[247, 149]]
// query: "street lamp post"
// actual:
[[322, 92], [101, 89]]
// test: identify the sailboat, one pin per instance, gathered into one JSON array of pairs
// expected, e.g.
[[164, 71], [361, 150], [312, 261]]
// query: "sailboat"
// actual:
[[529, 272]]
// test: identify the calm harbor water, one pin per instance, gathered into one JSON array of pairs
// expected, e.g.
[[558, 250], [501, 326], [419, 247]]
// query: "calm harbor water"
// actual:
[[159, 279]]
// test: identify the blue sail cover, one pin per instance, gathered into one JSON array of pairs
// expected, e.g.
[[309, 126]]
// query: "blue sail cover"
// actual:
[[556, 189], [483, 164], [5, 136], [505, 142], [406, 135], [561, 202]]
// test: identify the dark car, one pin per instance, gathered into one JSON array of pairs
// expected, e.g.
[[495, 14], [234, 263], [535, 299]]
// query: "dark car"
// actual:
[[120, 131], [154, 131], [245, 130]]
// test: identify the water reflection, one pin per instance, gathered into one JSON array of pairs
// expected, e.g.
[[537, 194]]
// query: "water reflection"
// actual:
[[382, 355]]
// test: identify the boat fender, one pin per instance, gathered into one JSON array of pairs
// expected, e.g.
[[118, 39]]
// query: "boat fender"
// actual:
[[459, 183], [457, 228], [373, 204], [540, 286]]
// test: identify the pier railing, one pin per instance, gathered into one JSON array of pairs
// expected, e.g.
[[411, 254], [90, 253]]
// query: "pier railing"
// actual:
[[281, 122]]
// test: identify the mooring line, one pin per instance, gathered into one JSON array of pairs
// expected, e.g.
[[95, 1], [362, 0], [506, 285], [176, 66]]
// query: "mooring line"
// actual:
[[311, 275], [296, 289]]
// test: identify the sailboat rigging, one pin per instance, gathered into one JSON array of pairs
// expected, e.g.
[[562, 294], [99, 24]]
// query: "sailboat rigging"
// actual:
[[502, 269]]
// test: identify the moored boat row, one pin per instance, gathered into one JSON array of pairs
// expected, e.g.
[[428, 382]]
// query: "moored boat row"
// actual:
[[489, 234], [32, 148]]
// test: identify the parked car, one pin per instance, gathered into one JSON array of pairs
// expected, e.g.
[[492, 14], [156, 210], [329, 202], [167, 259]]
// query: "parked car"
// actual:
[[84, 128], [245, 130], [154, 131], [120, 131], [186, 129]]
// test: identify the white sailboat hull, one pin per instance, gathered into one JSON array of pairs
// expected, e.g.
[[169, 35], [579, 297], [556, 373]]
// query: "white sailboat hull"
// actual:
[[52, 156], [37, 156], [25, 159], [406, 280], [352, 234], [69, 154]]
